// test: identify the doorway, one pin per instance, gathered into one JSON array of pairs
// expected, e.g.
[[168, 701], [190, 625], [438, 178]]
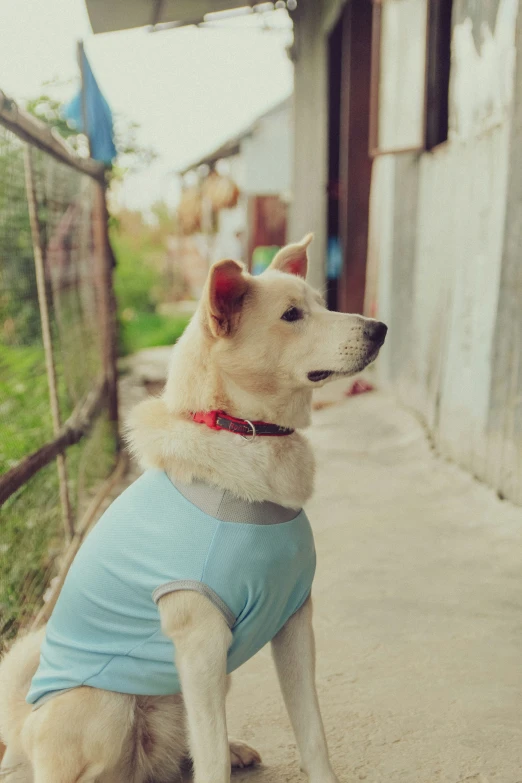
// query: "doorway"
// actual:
[[349, 161]]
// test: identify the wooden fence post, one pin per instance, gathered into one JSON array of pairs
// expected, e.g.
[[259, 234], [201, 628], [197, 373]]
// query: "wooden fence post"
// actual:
[[107, 301], [46, 337]]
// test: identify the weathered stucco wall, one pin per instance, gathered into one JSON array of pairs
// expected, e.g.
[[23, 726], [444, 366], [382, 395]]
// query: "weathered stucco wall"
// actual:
[[438, 236], [505, 417]]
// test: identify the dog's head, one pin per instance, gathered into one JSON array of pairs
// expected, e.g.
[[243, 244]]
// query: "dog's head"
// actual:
[[255, 348], [273, 332]]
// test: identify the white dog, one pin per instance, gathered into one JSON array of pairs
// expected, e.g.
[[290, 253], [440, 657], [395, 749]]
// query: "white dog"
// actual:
[[201, 561]]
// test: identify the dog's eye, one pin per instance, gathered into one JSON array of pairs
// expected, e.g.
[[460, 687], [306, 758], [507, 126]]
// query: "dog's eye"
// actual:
[[292, 314]]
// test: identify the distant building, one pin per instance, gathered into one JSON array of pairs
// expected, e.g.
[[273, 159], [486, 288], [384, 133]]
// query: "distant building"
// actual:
[[258, 161]]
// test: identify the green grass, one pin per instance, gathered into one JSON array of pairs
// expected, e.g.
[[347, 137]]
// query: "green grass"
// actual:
[[30, 539], [147, 330], [25, 416], [31, 526], [138, 286], [135, 282]]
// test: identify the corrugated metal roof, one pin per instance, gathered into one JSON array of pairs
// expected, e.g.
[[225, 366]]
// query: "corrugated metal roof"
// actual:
[[110, 15]]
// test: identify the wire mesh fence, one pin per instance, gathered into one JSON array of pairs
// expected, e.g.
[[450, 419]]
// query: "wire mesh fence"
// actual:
[[58, 415]]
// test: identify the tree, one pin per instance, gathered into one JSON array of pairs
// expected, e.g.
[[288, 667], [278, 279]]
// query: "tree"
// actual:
[[132, 156]]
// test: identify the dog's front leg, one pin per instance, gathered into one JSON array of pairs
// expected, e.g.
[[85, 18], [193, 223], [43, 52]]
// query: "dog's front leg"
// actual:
[[293, 650], [201, 639]]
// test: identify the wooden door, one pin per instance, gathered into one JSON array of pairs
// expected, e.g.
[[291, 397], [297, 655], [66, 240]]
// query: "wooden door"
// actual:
[[355, 164]]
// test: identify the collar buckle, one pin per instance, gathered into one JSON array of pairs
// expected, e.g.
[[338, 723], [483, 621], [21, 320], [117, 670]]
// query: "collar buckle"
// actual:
[[250, 438], [249, 430]]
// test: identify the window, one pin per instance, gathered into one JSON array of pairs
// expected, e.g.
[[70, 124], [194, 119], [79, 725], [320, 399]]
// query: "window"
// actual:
[[438, 72], [410, 74]]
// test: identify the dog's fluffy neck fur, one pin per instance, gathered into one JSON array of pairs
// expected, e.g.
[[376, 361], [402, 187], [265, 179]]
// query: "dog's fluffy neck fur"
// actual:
[[161, 431]]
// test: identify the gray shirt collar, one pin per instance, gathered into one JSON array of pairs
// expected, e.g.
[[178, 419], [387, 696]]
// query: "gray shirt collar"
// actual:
[[223, 505]]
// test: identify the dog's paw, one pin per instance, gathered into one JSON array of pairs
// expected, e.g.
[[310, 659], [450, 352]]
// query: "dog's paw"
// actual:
[[242, 755]]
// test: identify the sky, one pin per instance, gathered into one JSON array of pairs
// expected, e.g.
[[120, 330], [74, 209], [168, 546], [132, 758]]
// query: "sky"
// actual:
[[189, 89]]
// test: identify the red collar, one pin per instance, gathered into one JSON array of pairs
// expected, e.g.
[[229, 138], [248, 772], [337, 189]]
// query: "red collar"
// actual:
[[219, 420]]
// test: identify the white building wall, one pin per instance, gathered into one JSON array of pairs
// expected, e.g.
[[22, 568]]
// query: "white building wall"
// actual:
[[438, 259], [442, 344], [268, 155]]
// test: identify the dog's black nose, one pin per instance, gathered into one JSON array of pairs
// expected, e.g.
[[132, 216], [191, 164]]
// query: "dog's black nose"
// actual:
[[376, 331]]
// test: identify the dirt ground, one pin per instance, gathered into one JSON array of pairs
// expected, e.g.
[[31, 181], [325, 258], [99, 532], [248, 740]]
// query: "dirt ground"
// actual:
[[418, 611]]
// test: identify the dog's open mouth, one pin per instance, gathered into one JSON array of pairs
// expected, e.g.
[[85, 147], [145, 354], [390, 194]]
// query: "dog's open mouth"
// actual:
[[319, 375]]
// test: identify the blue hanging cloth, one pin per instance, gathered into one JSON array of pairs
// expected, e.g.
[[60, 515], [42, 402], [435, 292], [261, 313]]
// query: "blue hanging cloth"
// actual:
[[334, 259], [99, 116]]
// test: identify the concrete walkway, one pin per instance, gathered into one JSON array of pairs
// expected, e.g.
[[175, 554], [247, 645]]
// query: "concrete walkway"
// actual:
[[418, 611], [418, 614]]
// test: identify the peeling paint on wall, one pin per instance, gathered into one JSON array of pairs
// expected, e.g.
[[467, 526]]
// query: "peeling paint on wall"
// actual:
[[482, 69]]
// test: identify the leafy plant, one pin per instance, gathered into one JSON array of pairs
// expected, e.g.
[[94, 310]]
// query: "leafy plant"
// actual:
[[132, 155]]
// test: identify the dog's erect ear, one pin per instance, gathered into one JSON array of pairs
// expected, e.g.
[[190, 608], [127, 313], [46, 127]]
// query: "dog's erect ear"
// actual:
[[292, 258], [226, 289]]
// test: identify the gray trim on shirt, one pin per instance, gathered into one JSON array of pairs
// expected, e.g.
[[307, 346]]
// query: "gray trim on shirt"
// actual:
[[199, 587], [223, 505]]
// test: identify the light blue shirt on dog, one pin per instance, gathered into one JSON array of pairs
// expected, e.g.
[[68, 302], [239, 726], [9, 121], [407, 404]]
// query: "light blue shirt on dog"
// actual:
[[105, 629]]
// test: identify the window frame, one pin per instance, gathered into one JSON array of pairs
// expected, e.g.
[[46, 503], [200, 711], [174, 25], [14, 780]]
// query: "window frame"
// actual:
[[438, 71], [435, 98]]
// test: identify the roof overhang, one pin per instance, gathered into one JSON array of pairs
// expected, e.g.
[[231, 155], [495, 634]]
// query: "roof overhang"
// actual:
[[109, 15], [233, 145], [227, 150]]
